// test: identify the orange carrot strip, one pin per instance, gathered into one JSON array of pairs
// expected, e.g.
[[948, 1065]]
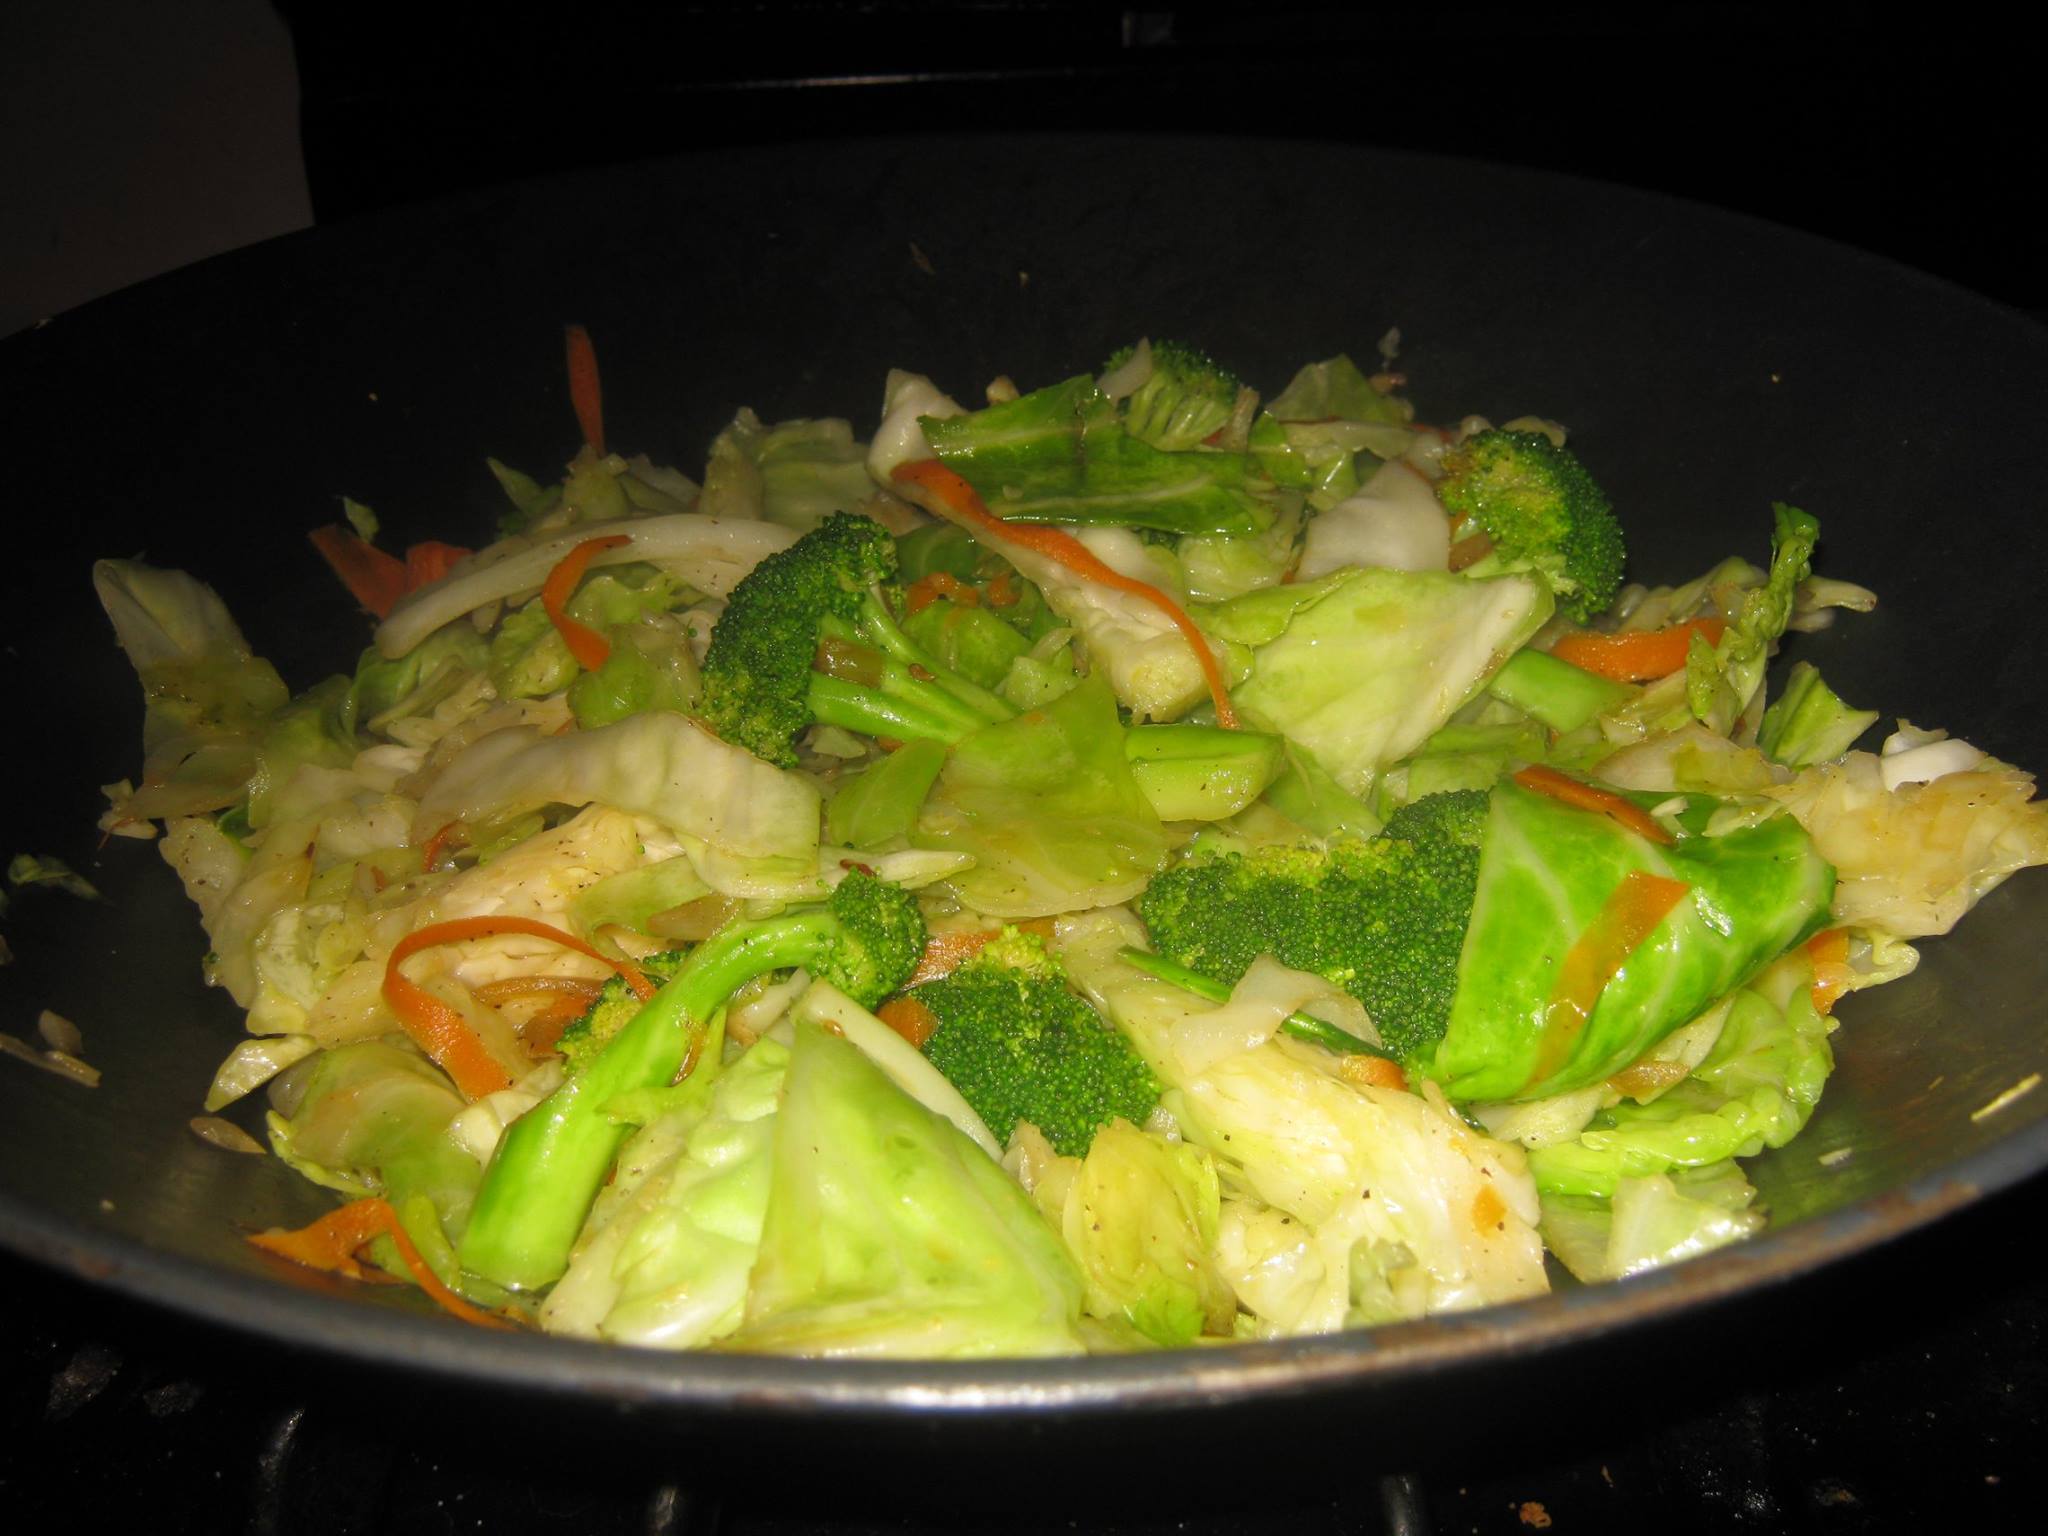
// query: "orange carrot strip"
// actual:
[[510, 988], [945, 953], [442, 1032], [932, 586], [1829, 952], [588, 646], [1638, 904], [331, 1243], [961, 499], [1002, 592], [430, 560], [565, 999], [1638, 656], [586, 394], [1641, 1079], [1587, 797], [1371, 1071], [909, 1018], [435, 846], [373, 577]]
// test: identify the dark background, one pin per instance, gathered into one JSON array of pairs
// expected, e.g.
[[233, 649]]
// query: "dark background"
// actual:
[[1911, 132], [1920, 1405]]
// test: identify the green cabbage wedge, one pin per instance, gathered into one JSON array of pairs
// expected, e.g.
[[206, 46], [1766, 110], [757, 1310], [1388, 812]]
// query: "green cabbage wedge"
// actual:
[[1546, 874]]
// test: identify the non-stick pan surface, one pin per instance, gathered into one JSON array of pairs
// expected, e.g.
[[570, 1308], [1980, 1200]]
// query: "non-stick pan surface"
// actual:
[[1706, 365]]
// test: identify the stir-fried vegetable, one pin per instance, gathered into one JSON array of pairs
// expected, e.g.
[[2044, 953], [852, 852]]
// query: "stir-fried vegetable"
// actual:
[[1226, 872]]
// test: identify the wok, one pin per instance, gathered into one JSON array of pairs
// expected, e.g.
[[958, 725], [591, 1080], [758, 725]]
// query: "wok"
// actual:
[[1706, 364]]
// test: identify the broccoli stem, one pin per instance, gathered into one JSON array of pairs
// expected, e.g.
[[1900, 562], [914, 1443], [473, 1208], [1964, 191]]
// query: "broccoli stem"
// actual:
[[907, 715], [1305, 793], [551, 1161], [1300, 1025], [1562, 696], [879, 628], [882, 684]]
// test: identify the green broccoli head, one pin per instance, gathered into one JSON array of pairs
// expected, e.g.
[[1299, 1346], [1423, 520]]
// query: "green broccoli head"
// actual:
[[1542, 510], [807, 636], [1186, 398], [1456, 818], [610, 1011], [1019, 1045], [758, 668], [1217, 915], [1382, 917], [880, 934]]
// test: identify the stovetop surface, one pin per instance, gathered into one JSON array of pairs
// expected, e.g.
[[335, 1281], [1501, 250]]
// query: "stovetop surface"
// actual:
[[1906, 1393]]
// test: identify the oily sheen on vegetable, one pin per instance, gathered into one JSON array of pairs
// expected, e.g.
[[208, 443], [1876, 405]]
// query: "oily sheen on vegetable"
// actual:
[[1142, 863]]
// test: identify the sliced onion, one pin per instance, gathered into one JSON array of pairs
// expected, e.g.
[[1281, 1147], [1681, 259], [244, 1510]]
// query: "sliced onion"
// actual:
[[63, 1063], [710, 553], [901, 1061], [59, 1033], [1263, 997], [1126, 554], [1395, 523], [1925, 763], [1133, 371], [900, 438], [224, 1134]]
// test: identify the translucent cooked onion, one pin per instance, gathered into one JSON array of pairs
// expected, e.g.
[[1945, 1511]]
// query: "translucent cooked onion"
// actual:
[[1914, 756], [710, 553], [906, 398], [1395, 523], [224, 1134], [1129, 374], [63, 1063], [59, 1033], [903, 1062]]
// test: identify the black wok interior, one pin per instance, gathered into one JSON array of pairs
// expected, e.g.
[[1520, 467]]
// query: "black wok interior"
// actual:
[[1706, 365]]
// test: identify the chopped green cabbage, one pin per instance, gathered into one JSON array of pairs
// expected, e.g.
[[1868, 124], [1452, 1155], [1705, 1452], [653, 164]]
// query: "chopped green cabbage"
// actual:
[[1370, 663], [890, 1234], [1048, 808], [815, 1184]]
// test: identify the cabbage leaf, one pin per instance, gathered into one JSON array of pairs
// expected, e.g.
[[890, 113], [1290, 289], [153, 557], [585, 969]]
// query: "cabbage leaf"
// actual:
[[664, 1258], [1049, 809], [1358, 1204], [1368, 664], [1546, 873], [658, 765], [889, 1233], [1756, 1088]]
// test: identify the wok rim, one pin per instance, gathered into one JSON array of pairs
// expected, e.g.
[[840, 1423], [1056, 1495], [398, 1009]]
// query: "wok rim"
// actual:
[[1163, 1381], [272, 1307]]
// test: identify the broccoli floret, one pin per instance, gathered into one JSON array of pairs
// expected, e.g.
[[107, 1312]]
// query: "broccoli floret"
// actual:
[[807, 636], [1020, 1046], [611, 1011], [1455, 819], [1186, 398], [1542, 511], [538, 1189], [1382, 917]]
